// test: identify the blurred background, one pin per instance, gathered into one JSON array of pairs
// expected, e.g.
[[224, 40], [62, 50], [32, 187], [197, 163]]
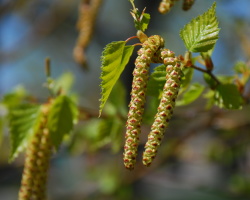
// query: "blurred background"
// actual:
[[205, 154]]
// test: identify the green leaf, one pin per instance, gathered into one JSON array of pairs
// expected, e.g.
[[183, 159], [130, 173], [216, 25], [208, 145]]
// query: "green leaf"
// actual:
[[115, 134], [225, 79], [62, 115], [24, 122], [14, 98], [156, 81], [117, 103], [187, 77], [240, 67], [64, 83], [192, 93], [209, 95], [97, 133], [201, 34], [151, 110], [114, 59], [228, 96], [144, 22], [209, 80]]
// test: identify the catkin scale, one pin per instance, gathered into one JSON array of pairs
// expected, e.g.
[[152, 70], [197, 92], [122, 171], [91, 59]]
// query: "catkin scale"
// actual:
[[166, 106], [138, 94]]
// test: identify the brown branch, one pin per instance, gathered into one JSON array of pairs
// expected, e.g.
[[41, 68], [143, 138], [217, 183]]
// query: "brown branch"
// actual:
[[208, 72]]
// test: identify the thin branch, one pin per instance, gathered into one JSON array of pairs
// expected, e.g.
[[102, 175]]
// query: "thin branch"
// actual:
[[208, 72]]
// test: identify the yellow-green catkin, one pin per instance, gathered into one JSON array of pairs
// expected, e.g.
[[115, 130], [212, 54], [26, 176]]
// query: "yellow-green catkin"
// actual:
[[166, 5], [166, 106], [34, 179], [88, 10], [187, 4], [138, 94]]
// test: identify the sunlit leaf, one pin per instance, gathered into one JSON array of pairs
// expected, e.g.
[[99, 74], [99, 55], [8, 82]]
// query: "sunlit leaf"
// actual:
[[145, 21], [187, 77], [64, 83], [156, 81], [240, 67], [117, 102], [14, 98], [209, 80], [228, 96], [226, 79], [24, 122], [97, 133], [191, 94], [114, 59], [201, 34], [62, 115]]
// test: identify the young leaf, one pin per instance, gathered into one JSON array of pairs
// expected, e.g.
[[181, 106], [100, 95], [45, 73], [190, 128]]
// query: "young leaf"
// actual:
[[186, 79], [118, 102], [240, 67], [24, 122], [201, 34], [226, 79], [192, 93], [228, 96], [62, 114], [14, 98], [64, 83], [156, 81], [144, 22], [114, 59], [209, 80]]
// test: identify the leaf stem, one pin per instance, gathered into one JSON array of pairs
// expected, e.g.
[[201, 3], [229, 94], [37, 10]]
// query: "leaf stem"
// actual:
[[209, 72], [137, 44], [130, 38]]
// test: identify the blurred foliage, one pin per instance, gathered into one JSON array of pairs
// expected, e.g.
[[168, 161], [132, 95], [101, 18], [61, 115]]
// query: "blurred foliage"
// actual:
[[96, 143]]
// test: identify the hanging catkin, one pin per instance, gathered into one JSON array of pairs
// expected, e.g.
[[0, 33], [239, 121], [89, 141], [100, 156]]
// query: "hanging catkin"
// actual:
[[88, 10], [138, 94], [167, 104], [34, 180], [166, 5], [187, 4]]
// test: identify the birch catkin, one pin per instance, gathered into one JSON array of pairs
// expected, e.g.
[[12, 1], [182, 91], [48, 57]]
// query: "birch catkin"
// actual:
[[166, 5], [187, 4], [138, 94], [88, 10], [167, 104], [34, 180]]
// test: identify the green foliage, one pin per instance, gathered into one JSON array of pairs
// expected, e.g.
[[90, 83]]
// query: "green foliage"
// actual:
[[143, 23], [188, 73], [209, 80], [201, 34], [14, 98], [96, 133], [191, 94], [228, 96], [114, 59], [226, 79], [64, 83], [151, 109], [156, 81], [63, 113], [240, 67], [141, 20], [116, 104], [24, 122]]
